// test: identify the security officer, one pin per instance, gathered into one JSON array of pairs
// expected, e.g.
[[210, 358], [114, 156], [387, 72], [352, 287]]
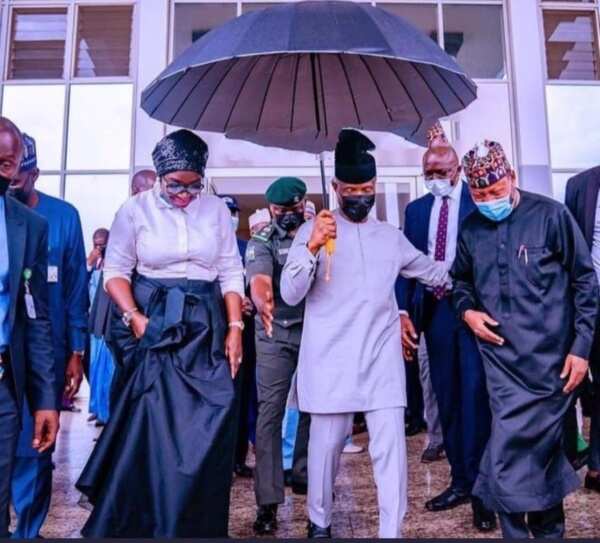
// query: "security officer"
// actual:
[[278, 333]]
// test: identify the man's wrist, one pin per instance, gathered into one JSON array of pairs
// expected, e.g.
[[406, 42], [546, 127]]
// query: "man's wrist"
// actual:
[[79, 354], [313, 247]]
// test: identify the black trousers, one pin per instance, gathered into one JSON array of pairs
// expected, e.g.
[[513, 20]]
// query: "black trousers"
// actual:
[[540, 524], [9, 434]]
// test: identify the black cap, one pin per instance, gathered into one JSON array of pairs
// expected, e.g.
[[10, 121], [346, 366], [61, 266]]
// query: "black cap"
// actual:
[[353, 163], [180, 151]]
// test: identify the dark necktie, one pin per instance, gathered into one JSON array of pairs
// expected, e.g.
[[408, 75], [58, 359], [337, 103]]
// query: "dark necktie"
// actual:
[[440, 243]]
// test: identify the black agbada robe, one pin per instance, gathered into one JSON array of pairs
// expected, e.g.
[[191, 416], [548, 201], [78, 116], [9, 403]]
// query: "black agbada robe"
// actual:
[[533, 274]]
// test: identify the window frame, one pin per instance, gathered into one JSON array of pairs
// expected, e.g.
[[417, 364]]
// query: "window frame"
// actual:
[[69, 79]]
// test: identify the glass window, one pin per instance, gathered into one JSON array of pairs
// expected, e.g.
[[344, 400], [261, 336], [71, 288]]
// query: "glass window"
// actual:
[[423, 17], [97, 198], [391, 200], [37, 46], [103, 41], [574, 125], [192, 21], [248, 7], [100, 127], [39, 111], [49, 184], [559, 185], [474, 36], [571, 45]]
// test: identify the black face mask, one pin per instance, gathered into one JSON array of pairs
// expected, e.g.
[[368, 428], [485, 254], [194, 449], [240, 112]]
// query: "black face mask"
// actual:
[[357, 208], [4, 183], [291, 220]]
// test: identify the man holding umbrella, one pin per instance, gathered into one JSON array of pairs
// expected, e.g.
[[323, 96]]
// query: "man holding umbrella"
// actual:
[[351, 350]]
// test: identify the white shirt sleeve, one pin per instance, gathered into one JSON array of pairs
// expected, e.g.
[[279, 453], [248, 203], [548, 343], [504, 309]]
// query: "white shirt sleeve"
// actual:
[[230, 271], [121, 258]]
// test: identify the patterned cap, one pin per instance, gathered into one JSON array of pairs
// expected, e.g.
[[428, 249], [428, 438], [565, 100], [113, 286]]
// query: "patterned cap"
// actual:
[[260, 216], [486, 164], [29, 161], [436, 135], [180, 151]]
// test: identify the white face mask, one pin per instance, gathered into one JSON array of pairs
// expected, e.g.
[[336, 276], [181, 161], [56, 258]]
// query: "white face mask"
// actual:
[[439, 187], [236, 223]]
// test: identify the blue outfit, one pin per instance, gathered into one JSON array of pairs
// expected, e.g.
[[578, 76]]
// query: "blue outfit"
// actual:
[[68, 303], [456, 368], [290, 429], [102, 366], [4, 288], [30, 370]]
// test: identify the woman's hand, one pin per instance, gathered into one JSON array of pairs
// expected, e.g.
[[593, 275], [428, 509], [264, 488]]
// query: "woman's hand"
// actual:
[[233, 350], [139, 323]]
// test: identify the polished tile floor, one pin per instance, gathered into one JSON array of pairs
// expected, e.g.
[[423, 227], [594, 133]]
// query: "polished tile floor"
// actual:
[[355, 512]]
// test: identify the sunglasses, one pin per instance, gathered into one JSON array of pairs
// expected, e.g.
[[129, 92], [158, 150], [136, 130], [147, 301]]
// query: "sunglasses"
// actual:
[[173, 188]]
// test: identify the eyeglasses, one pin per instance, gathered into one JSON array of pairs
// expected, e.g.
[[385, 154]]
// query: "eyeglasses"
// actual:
[[174, 188]]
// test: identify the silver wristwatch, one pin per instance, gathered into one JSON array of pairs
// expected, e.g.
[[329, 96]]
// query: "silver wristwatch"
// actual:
[[128, 316]]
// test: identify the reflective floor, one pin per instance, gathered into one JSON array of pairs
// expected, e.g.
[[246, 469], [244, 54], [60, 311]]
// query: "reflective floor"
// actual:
[[355, 512]]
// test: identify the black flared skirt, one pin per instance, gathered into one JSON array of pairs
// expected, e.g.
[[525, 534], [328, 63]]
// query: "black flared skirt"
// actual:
[[163, 465]]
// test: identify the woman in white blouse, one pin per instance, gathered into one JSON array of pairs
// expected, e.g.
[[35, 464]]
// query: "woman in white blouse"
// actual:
[[163, 465]]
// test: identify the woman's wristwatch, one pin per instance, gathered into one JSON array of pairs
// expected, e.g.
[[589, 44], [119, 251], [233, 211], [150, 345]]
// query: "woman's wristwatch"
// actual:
[[128, 316], [237, 324]]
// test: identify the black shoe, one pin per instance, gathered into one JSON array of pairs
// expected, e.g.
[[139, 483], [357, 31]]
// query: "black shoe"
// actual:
[[266, 519], [316, 532], [483, 519], [287, 477], [414, 428], [242, 470], [449, 499], [299, 488], [432, 454], [592, 483]]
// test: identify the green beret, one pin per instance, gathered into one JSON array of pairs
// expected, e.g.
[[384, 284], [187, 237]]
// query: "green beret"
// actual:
[[286, 191]]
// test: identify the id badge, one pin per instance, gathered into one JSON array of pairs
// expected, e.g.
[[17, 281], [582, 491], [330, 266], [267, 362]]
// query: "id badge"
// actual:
[[30, 306], [52, 274]]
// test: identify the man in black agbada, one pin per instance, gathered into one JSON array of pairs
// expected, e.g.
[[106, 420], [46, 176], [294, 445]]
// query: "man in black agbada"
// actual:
[[525, 285]]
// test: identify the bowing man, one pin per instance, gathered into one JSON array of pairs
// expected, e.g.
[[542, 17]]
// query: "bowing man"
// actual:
[[525, 285]]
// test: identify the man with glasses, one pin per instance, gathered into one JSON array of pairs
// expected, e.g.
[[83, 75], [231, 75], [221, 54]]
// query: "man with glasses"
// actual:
[[278, 332]]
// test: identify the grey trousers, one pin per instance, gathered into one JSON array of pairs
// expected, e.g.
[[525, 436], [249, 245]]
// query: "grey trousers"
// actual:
[[9, 434], [387, 447], [432, 414], [275, 366], [541, 524]]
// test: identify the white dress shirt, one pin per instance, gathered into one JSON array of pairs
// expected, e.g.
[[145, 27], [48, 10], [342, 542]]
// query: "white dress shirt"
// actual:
[[161, 241], [596, 240], [453, 212]]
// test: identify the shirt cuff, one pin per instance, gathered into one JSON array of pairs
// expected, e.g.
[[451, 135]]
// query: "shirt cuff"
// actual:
[[76, 339], [403, 312], [108, 275], [233, 286], [581, 347]]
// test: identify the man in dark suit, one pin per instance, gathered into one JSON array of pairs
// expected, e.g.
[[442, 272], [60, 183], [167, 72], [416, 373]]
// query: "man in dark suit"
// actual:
[[27, 363], [582, 199], [432, 224]]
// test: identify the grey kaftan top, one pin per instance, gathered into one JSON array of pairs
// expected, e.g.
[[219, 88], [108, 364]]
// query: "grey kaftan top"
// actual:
[[351, 351]]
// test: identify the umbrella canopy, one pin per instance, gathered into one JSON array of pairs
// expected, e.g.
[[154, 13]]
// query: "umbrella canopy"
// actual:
[[293, 76]]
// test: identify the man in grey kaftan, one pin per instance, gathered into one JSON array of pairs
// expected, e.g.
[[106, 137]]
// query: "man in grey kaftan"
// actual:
[[351, 351]]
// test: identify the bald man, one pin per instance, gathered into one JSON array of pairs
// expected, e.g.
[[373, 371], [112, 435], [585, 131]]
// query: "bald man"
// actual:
[[142, 181], [432, 224], [26, 354]]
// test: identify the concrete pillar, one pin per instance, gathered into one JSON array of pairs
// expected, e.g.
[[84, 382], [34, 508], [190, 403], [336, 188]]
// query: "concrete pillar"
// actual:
[[529, 98]]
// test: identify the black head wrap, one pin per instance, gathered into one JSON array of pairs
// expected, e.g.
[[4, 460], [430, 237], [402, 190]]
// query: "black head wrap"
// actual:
[[180, 151], [353, 163]]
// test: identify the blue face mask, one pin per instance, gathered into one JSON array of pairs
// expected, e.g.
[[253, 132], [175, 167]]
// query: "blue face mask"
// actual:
[[496, 210]]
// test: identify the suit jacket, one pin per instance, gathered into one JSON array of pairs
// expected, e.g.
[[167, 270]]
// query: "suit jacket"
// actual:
[[31, 353], [410, 294], [581, 198]]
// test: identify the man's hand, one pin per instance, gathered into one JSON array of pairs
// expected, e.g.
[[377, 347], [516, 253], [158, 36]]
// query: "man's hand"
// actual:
[[409, 337], [73, 375], [93, 257], [324, 229], [575, 369], [247, 307], [45, 429], [233, 350], [262, 295], [478, 322]]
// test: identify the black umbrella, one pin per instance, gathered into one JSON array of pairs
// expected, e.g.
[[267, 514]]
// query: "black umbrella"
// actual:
[[293, 76]]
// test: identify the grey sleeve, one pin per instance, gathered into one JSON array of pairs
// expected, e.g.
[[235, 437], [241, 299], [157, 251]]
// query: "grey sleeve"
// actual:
[[299, 271], [259, 259]]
